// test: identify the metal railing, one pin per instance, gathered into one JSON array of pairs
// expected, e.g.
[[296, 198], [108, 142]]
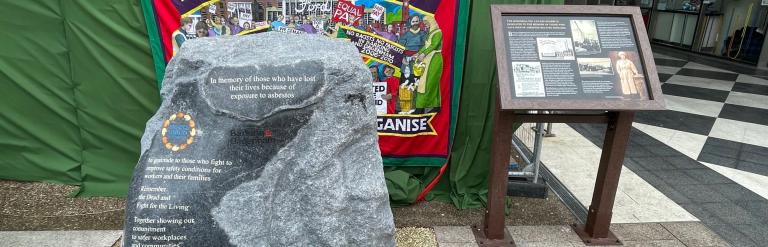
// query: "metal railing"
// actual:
[[531, 135]]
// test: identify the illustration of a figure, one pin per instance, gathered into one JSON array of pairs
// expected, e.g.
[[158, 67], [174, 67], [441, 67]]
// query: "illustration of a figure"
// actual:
[[182, 34], [234, 25], [387, 34], [307, 26], [201, 29], [627, 71], [414, 38], [393, 86], [428, 90], [407, 86], [225, 30], [276, 24], [215, 27], [293, 22], [374, 72]]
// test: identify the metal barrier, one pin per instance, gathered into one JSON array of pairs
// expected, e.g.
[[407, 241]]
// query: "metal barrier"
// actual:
[[529, 135], [524, 143]]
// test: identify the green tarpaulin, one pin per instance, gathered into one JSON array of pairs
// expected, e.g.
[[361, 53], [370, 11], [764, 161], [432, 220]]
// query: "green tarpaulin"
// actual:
[[76, 88], [77, 85]]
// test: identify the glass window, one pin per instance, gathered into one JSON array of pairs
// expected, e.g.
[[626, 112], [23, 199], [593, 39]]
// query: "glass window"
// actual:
[[675, 21], [734, 29]]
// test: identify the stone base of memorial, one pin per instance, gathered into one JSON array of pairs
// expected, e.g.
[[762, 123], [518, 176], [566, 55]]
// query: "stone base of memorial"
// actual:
[[262, 140]]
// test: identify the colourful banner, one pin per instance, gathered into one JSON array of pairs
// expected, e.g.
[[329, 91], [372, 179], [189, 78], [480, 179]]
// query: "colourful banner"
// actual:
[[408, 47], [372, 46], [347, 13]]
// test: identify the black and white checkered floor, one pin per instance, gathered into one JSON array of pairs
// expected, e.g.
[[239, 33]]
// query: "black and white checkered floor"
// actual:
[[724, 114], [704, 158]]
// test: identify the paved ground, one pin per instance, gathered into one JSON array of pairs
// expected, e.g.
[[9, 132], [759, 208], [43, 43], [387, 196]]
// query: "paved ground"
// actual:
[[686, 234], [524, 211], [705, 158], [44, 206]]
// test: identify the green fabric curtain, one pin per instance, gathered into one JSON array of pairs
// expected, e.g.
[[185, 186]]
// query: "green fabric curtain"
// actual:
[[76, 88], [466, 182]]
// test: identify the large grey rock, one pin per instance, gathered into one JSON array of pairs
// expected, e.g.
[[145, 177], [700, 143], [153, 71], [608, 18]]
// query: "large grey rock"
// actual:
[[283, 150]]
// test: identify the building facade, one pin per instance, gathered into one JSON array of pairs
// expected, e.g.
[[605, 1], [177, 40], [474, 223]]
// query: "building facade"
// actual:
[[732, 29]]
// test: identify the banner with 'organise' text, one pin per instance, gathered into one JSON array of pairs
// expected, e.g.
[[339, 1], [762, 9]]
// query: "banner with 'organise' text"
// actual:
[[408, 47]]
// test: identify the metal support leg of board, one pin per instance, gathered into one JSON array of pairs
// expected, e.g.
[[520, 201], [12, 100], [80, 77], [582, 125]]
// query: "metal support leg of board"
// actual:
[[493, 223], [596, 231]]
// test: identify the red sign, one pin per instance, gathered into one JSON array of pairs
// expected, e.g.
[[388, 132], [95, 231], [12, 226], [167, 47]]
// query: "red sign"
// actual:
[[348, 13]]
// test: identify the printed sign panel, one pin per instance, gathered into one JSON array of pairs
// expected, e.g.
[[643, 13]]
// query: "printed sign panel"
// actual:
[[574, 57]]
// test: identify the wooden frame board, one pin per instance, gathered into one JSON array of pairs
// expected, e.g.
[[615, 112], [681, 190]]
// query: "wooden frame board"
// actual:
[[652, 98]]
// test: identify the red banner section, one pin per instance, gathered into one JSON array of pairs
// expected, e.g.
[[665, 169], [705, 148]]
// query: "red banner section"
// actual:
[[408, 47]]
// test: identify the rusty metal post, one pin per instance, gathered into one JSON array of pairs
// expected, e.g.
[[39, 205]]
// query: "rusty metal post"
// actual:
[[493, 232], [596, 231]]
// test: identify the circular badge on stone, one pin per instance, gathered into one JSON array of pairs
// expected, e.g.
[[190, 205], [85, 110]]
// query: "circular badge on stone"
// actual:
[[178, 131]]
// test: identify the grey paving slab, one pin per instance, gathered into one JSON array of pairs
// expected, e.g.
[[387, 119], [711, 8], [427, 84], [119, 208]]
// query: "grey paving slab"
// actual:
[[734, 192], [647, 162], [694, 81], [641, 232], [637, 151], [731, 213], [59, 238], [670, 62], [745, 114], [529, 234], [454, 234], [668, 70], [694, 92], [750, 88], [664, 77], [752, 79], [673, 194], [748, 99], [756, 232], [734, 236], [703, 214], [707, 176], [549, 244], [653, 243], [700, 194], [759, 209], [457, 244], [675, 177], [682, 162], [710, 74], [694, 234]]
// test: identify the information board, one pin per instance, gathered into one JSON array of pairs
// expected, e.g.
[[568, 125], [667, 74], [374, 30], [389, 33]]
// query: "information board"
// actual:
[[570, 59]]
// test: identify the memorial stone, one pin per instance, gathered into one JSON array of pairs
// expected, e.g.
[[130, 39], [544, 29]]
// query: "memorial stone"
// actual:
[[262, 140]]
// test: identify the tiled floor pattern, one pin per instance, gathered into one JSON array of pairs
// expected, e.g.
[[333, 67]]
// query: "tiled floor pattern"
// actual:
[[707, 154], [574, 160], [714, 116], [729, 208]]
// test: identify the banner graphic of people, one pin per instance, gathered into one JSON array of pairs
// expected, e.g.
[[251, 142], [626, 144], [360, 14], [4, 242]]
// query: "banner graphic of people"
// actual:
[[407, 46]]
